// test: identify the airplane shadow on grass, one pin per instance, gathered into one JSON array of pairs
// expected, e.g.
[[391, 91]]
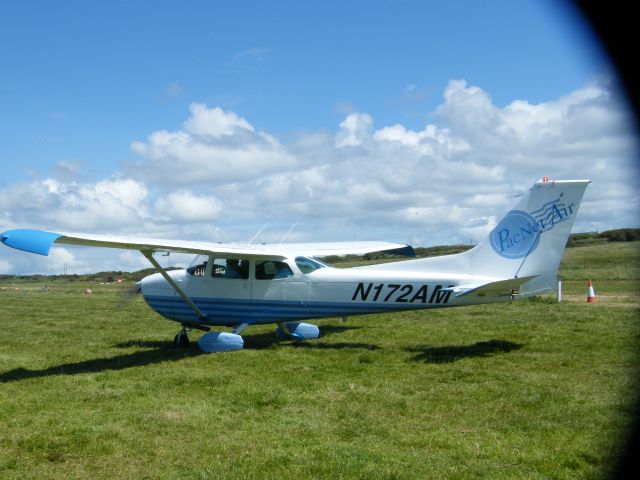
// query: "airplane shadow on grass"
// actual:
[[163, 351], [266, 340], [453, 353]]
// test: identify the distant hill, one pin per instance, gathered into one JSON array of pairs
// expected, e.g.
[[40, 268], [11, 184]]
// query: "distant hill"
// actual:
[[99, 277], [617, 235]]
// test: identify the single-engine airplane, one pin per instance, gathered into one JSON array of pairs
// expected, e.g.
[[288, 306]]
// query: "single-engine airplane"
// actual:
[[237, 285]]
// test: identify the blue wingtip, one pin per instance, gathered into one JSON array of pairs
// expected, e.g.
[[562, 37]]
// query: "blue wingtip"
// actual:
[[33, 241]]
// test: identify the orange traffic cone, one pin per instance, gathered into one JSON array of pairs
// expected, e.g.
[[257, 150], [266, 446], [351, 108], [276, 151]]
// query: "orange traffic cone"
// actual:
[[591, 296]]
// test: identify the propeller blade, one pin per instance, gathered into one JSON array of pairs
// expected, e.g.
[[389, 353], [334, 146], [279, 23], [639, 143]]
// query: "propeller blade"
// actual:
[[129, 294]]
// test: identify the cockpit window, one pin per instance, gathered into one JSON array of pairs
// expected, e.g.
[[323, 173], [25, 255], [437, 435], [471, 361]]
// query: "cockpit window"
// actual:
[[308, 265], [230, 268], [198, 266], [220, 267], [271, 270]]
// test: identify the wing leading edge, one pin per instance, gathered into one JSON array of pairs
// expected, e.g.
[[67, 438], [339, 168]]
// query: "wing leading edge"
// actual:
[[40, 242]]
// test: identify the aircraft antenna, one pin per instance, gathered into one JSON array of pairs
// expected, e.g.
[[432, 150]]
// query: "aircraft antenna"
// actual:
[[287, 234], [258, 233]]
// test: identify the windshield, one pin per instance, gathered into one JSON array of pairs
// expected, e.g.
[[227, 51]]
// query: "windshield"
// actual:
[[308, 265], [198, 266]]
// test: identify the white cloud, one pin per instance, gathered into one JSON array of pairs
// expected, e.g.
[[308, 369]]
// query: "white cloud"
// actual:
[[220, 179], [184, 206], [59, 257], [355, 130], [105, 205], [214, 122], [5, 267], [108, 204], [214, 147], [126, 190]]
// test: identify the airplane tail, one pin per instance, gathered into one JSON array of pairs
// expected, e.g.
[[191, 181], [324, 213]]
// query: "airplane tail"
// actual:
[[529, 241]]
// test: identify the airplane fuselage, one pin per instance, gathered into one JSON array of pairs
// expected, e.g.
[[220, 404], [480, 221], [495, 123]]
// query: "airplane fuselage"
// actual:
[[323, 292]]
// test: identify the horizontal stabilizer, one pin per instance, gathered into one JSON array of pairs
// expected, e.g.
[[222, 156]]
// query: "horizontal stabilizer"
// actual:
[[501, 288]]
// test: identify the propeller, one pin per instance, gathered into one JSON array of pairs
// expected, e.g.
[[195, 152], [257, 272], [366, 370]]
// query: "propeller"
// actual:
[[128, 294]]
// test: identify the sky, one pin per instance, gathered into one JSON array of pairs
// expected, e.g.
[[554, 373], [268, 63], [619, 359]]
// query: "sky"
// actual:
[[410, 121]]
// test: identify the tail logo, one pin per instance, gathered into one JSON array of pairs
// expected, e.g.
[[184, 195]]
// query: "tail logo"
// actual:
[[518, 233]]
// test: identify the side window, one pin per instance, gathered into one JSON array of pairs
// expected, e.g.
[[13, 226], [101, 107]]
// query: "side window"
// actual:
[[271, 270], [198, 266], [230, 268]]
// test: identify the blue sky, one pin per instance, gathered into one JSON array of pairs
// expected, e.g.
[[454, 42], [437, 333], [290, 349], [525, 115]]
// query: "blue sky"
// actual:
[[83, 79], [87, 88]]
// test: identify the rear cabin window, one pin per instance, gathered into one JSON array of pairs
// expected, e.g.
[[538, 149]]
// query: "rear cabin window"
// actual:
[[271, 270]]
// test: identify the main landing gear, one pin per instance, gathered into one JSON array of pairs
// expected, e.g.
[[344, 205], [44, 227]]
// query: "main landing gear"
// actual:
[[226, 342], [181, 340]]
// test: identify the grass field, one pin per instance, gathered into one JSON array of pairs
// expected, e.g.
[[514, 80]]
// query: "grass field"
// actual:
[[531, 389]]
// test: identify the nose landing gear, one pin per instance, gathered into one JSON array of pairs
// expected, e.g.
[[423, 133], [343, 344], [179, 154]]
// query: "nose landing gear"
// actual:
[[181, 340]]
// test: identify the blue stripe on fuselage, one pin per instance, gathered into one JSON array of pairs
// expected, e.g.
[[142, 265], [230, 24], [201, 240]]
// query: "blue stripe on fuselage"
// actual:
[[225, 311]]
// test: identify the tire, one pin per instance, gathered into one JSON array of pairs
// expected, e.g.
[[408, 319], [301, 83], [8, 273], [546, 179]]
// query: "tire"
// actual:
[[181, 340]]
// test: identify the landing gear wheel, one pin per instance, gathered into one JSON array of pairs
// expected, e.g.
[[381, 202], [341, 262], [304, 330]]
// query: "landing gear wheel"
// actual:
[[181, 340]]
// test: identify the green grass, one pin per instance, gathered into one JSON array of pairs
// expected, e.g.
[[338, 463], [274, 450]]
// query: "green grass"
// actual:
[[532, 389]]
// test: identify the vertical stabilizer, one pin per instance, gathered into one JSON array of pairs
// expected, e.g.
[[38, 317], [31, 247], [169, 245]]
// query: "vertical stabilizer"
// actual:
[[531, 238]]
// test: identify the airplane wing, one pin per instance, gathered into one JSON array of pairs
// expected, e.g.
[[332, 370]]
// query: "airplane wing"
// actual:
[[500, 288], [40, 242], [342, 248]]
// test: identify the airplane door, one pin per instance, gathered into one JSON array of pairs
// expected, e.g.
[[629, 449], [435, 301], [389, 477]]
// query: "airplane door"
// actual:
[[278, 293], [221, 290]]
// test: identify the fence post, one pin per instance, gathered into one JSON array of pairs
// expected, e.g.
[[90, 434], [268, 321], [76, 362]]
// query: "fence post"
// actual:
[[559, 291]]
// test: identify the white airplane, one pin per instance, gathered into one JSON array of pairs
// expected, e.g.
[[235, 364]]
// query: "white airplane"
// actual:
[[238, 285]]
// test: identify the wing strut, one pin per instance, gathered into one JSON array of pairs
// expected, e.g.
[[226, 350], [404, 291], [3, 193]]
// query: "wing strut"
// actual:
[[149, 256]]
